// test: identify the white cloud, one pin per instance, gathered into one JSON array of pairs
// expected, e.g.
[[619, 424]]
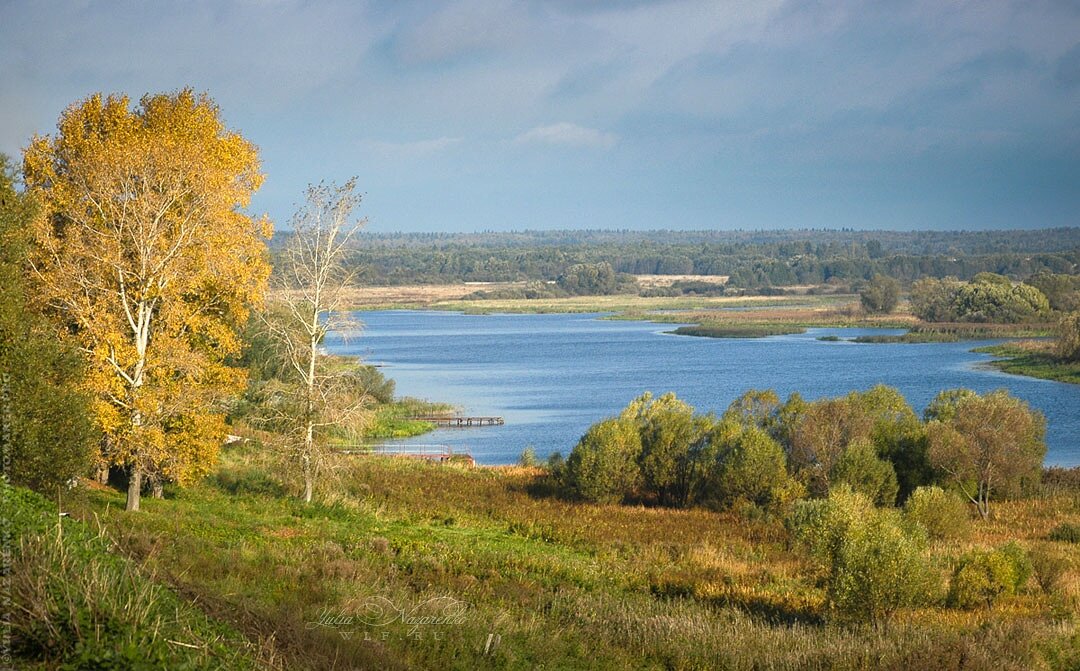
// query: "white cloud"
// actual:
[[568, 134]]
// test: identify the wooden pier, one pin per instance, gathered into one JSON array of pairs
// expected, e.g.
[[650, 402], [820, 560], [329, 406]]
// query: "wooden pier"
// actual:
[[455, 422]]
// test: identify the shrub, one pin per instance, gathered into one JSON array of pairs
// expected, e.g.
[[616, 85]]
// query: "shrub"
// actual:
[[528, 457], [881, 567], [943, 514], [1066, 533], [982, 576], [1048, 568], [604, 464], [820, 525], [873, 564]]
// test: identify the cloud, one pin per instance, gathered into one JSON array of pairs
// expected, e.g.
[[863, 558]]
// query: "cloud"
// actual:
[[568, 134]]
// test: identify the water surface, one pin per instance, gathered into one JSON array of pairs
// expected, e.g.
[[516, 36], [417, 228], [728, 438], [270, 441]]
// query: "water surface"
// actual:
[[551, 376]]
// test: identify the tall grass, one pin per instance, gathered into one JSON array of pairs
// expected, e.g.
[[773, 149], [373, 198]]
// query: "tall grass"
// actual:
[[77, 604]]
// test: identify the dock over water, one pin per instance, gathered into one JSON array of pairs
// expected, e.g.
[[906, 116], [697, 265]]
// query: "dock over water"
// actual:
[[456, 422]]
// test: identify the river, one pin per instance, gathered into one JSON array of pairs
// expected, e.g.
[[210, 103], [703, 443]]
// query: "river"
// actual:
[[551, 376]]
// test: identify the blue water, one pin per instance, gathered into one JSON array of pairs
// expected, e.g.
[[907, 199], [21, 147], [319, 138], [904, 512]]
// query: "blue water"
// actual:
[[551, 376]]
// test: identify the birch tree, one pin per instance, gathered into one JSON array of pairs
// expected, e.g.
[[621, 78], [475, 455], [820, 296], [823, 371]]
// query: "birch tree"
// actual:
[[147, 257], [316, 392]]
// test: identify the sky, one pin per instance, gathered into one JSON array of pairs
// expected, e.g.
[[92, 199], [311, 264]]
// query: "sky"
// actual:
[[473, 115]]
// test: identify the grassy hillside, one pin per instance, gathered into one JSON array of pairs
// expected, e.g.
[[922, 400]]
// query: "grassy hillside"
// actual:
[[412, 565], [79, 604]]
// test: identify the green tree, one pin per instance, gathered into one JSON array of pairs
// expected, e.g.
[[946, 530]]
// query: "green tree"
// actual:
[[819, 439], [880, 295], [603, 467], [748, 465], [46, 434], [995, 301], [934, 300], [1068, 337], [671, 463], [897, 435], [756, 407], [943, 407], [860, 468], [1061, 291], [989, 444], [594, 279]]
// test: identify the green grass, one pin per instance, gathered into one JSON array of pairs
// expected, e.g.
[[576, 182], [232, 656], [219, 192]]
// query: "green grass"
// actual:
[[392, 420], [737, 330], [79, 604], [911, 337], [1019, 359], [550, 583]]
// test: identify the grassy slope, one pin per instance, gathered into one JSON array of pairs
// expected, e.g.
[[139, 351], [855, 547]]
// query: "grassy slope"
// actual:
[[80, 605], [562, 585]]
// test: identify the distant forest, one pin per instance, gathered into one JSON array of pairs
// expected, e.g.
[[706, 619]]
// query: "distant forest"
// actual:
[[752, 259]]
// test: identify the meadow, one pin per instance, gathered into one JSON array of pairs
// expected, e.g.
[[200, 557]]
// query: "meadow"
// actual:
[[486, 568]]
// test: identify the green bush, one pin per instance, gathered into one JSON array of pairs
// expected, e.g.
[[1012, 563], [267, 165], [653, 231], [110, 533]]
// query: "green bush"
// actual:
[[1066, 533], [820, 525], [873, 564], [983, 576], [528, 458], [882, 566], [603, 466], [1048, 568], [943, 514]]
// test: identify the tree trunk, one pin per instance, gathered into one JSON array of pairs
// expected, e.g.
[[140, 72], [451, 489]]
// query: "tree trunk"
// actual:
[[158, 488], [134, 489], [103, 474], [309, 478]]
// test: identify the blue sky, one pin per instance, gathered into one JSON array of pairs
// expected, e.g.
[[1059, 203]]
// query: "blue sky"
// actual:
[[489, 114]]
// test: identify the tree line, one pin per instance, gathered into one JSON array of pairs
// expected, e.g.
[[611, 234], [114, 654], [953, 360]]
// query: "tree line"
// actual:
[[768, 453], [751, 260]]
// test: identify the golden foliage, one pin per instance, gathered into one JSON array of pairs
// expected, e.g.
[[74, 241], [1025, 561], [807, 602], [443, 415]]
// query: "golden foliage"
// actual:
[[148, 258]]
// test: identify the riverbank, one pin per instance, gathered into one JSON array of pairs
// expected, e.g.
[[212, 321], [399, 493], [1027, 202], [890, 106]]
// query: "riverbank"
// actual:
[[1033, 358], [484, 568]]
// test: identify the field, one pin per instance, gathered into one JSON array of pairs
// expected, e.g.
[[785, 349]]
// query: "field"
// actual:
[[412, 565]]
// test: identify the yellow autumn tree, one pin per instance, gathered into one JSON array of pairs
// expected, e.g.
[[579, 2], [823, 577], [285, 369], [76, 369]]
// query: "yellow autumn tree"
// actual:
[[148, 258]]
